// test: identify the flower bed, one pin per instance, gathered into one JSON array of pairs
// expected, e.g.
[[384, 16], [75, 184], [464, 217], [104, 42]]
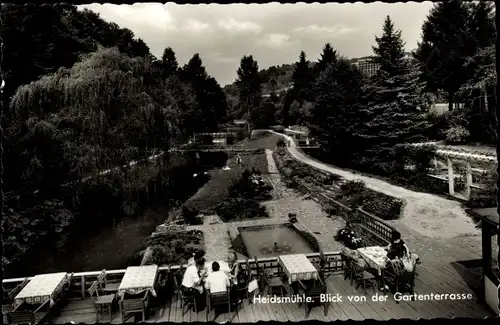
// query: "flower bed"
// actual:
[[174, 247], [354, 194]]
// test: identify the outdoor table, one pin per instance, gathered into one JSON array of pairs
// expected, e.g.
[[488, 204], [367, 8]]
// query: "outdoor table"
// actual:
[[297, 267], [375, 257], [41, 288], [138, 279]]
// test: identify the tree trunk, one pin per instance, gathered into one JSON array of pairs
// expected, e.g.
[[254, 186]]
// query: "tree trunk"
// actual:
[[450, 101]]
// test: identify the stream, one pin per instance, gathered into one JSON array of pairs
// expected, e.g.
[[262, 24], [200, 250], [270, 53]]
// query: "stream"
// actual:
[[102, 246]]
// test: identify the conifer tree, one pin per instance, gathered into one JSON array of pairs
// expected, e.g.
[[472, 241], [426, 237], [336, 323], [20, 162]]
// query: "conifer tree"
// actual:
[[395, 111], [249, 85], [389, 51], [329, 56], [169, 62], [301, 78]]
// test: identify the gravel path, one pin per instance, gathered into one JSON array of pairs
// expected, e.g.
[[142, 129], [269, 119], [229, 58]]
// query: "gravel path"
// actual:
[[425, 214]]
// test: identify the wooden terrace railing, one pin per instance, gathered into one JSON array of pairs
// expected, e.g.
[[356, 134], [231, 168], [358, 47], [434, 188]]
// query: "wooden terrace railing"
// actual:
[[82, 281], [373, 224]]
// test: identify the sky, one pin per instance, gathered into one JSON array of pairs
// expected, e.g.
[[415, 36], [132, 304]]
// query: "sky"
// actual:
[[273, 33]]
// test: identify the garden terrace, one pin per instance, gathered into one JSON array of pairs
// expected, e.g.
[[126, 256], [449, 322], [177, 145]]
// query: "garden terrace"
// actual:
[[432, 278]]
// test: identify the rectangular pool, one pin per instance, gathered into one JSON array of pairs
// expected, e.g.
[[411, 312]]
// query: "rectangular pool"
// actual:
[[260, 241]]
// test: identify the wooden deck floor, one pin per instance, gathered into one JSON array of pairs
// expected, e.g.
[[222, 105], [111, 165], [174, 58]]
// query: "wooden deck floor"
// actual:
[[440, 278]]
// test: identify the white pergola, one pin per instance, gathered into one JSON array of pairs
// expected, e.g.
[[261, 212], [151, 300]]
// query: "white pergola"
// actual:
[[451, 154]]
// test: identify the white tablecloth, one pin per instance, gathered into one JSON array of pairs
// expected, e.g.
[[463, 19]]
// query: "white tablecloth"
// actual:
[[297, 267], [41, 288], [375, 257], [138, 279]]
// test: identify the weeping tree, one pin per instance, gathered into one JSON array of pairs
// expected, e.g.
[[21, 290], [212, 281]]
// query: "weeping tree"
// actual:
[[96, 116]]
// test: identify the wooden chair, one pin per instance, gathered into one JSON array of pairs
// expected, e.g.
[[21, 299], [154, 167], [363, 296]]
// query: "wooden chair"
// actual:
[[9, 295], [219, 299], [348, 268], [21, 317], [184, 298], [23, 314], [261, 274], [134, 305], [398, 279], [314, 289], [104, 285], [101, 302], [363, 277]]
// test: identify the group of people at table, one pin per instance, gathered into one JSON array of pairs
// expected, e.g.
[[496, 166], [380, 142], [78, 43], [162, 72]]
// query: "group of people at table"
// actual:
[[380, 258], [219, 276]]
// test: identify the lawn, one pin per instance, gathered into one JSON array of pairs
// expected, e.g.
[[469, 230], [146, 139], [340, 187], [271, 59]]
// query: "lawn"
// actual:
[[216, 190]]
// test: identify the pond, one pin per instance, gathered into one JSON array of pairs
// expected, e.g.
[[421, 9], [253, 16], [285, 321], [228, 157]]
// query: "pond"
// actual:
[[274, 240]]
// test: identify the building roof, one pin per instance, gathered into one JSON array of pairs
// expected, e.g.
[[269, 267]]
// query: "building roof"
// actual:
[[487, 214]]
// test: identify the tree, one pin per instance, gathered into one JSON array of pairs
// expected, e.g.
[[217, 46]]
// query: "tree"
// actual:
[[211, 100], [482, 24], [249, 84], [301, 78], [479, 91], [329, 56], [446, 43], [169, 62], [389, 51], [334, 117]]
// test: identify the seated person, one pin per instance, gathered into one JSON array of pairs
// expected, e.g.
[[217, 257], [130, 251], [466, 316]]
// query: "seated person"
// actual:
[[397, 249], [191, 283], [196, 256], [232, 261], [217, 281]]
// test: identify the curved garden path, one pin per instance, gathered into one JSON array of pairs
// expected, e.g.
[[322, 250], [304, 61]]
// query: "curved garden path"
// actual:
[[433, 226]]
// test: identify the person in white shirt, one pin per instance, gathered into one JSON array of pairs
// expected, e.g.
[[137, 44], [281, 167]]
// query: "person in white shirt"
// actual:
[[191, 283], [217, 281]]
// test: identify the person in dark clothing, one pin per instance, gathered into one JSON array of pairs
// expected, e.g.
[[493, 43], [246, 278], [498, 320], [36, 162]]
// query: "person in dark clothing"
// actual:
[[397, 248]]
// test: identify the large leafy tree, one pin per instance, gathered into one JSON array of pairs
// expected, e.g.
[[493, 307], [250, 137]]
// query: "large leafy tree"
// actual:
[[249, 85], [447, 40], [211, 100], [334, 119], [89, 118]]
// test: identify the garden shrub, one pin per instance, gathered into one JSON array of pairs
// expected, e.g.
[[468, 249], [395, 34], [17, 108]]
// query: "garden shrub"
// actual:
[[280, 143], [383, 206], [234, 209], [457, 135], [173, 247], [190, 216]]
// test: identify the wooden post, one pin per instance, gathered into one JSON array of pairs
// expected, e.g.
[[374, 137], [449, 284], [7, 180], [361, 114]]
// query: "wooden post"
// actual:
[[468, 179], [451, 178], [486, 254], [82, 285]]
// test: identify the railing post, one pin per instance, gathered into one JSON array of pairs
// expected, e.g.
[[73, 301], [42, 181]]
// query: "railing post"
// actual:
[[82, 285]]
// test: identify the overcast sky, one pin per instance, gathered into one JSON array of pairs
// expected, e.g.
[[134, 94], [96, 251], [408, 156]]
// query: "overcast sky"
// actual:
[[273, 33]]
